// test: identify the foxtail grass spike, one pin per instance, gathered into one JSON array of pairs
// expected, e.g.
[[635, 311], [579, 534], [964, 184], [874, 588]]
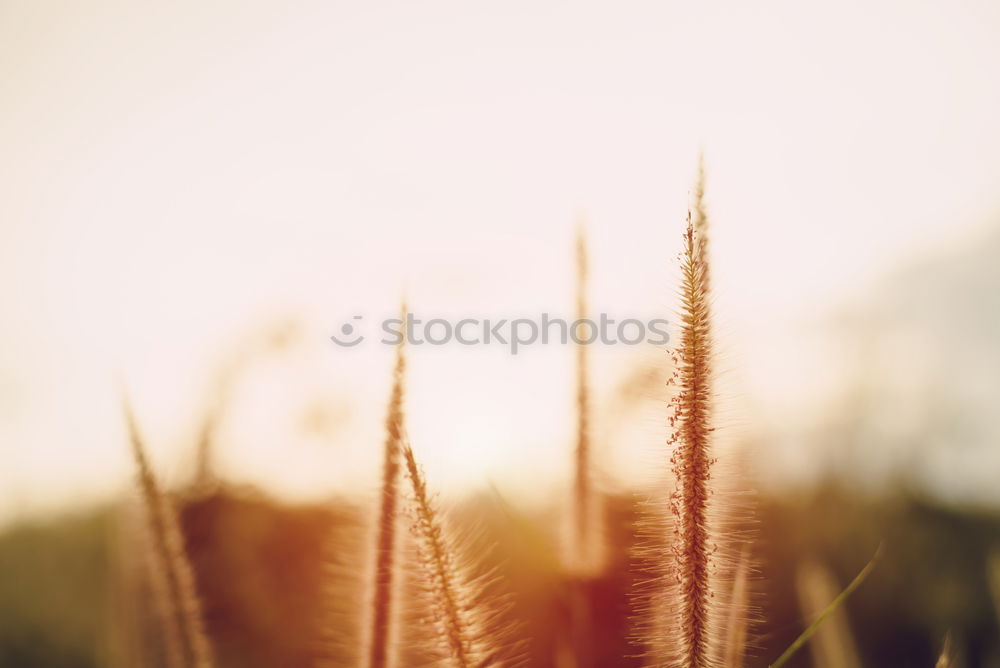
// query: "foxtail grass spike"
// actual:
[[699, 217], [692, 464], [681, 608], [187, 640], [458, 611], [381, 633], [584, 543]]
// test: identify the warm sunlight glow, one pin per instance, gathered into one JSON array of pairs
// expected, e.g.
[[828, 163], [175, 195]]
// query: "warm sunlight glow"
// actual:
[[222, 167]]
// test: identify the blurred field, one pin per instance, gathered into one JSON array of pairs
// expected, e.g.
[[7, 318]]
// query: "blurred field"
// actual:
[[196, 195], [260, 568]]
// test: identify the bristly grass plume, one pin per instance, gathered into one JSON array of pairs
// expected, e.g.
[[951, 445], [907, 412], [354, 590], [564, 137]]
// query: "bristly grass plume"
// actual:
[[454, 593], [699, 219], [585, 546], [682, 619], [381, 608], [187, 643], [696, 611]]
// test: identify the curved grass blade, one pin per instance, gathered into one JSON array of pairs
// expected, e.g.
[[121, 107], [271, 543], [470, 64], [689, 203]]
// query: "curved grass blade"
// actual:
[[829, 610]]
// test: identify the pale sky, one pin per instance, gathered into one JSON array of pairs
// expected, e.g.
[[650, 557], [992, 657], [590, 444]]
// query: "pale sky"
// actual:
[[173, 175]]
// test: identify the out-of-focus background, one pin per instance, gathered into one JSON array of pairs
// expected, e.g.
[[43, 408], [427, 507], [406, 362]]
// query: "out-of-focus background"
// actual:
[[194, 197]]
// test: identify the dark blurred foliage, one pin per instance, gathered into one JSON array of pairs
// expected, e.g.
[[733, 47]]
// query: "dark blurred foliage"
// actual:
[[931, 581], [262, 574], [54, 592]]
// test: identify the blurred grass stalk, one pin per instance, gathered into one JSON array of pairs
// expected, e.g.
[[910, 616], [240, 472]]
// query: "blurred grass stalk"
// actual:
[[833, 644], [382, 634], [186, 643]]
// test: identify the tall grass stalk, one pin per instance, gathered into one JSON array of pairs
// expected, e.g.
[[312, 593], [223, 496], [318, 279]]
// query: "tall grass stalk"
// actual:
[[830, 609], [277, 336], [737, 617], [380, 611], [945, 658], [696, 611], [458, 615], [682, 607], [187, 641], [699, 218], [585, 541], [833, 645]]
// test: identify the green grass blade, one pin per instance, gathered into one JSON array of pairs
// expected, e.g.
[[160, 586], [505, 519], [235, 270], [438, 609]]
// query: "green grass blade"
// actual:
[[829, 610]]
